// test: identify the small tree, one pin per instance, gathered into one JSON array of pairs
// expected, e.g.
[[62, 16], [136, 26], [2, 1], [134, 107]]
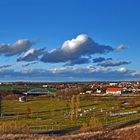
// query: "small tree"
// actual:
[[72, 107], [77, 104], [84, 127], [94, 125], [132, 102], [28, 112]]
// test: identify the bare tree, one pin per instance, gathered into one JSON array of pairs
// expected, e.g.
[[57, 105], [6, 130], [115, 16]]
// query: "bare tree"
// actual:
[[72, 107], [77, 104]]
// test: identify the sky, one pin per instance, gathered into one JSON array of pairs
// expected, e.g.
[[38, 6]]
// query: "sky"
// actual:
[[69, 40]]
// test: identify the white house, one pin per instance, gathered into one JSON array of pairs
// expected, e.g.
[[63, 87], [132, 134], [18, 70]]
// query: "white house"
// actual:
[[89, 91], [112, 84], [98, 91], [22, 99], [45, 86]]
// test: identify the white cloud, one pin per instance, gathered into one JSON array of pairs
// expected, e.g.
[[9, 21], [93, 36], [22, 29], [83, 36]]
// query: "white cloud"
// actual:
[[78, 61], [70, 73], [135, 73], [122, 70], [100, 59], [18, 47], [81, 46], [120, 48], [5, 66], [109, 63], [88, 69], [31, 55], [27, 64]]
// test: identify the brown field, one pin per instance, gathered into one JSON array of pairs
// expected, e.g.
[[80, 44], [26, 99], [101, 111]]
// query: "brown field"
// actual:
[[128, 133]]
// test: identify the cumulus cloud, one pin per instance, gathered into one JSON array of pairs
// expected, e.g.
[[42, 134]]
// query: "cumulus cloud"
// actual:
[[5, 66], [135, 73], [27, 64], [70, 74], [108, 63], [130, 72], [81, 46], [79, 50], [76, 70], [18, 47], [31, 55], [122, 70], [100, 59], [77, 61], [120, 48], [96, 73]]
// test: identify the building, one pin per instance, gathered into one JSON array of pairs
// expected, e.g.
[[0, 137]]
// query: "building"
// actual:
[[89, 92], [114, 90], [98, 91], [45, 86], [112, 84], [37, 91], [22, 99]]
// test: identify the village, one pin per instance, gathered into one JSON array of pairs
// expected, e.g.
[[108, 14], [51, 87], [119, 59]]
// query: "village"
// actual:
[[51, 107], [95, 88]]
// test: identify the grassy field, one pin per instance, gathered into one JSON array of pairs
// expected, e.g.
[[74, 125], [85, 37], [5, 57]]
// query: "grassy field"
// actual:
[[25, 88], [46, 113]]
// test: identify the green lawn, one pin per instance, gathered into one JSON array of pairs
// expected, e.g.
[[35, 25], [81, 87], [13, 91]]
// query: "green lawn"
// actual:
[[26, 88]]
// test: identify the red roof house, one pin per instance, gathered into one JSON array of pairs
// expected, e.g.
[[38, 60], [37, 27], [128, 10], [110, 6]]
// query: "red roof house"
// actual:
[[114, 90]]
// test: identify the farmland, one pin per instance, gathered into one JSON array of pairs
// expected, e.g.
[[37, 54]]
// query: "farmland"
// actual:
[[45, 113]]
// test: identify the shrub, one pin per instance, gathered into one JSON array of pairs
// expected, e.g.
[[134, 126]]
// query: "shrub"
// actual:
[[94, 125], [85, 127]]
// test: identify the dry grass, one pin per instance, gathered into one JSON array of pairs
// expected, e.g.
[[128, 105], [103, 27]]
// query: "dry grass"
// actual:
[[14, 127], [132, 134], [24, 137], [108, 135]]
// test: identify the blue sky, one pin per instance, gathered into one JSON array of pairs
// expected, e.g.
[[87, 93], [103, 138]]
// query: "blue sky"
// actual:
[[69, 40]]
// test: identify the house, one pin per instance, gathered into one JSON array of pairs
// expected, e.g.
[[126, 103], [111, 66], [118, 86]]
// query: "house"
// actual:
[[22, 99], [98, 91], [82, 93], [112, 84], [88, 91], [45, 86], [113, 90]]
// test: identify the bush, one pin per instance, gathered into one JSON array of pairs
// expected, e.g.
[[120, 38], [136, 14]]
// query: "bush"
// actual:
[[94, 125]]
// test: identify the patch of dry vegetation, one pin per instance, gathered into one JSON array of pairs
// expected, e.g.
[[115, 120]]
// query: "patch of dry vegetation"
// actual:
[[94, 125], [14, 127], [108, 135], [131, 134]]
